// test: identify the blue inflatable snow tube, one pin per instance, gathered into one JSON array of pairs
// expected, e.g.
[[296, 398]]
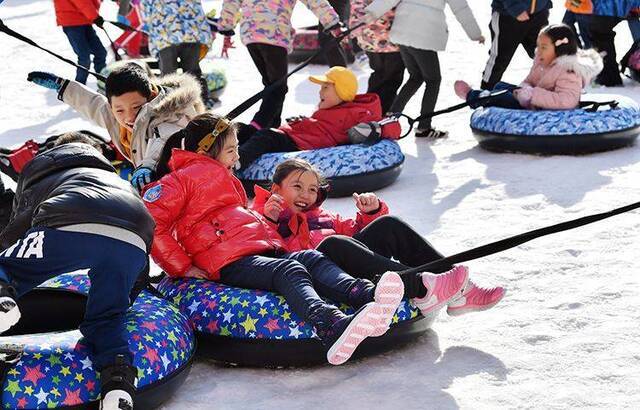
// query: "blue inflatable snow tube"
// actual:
[[55, 370], [257, 328], [559, 132], [349, 168]]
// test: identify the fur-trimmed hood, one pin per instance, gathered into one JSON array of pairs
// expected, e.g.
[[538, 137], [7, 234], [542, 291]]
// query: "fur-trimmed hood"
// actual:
[[586, 63], [177, 93]]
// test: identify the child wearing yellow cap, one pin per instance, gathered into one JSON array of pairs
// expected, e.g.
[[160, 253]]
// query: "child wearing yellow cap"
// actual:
[[340, 108]]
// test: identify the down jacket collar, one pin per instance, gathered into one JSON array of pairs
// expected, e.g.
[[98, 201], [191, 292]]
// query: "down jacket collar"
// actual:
[[586, 63]]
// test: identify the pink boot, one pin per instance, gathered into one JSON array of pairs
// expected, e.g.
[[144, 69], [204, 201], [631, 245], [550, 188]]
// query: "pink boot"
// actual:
[[462, 89], [475, 299], [441, 288], [388, 295], [358, 327]]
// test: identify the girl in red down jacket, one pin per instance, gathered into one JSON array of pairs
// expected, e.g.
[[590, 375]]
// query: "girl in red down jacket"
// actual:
[[204, 229], [364, 245]]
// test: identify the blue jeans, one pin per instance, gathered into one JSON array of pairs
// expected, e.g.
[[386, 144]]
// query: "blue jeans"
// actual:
[[301, 277], [85, 42], [506, 100], [113, 266]]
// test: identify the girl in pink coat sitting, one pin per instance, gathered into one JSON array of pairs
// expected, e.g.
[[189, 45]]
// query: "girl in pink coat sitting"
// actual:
[[366, 246], [560, 71]]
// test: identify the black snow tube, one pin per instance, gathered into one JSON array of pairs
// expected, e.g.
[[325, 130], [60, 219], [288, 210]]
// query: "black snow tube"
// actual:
[[348, 168], [55, 369], [562, 132], [257, 328]]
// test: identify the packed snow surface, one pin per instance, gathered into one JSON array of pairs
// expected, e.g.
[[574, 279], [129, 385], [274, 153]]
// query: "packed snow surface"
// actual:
[[565, 336]]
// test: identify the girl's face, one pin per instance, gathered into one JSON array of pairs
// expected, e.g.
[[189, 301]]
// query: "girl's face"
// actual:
[[545, 50], [228, 155], [328, 96], [299, 190]]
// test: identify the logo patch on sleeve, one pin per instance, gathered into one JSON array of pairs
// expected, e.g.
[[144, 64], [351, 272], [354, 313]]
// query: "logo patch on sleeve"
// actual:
[[153, 193]]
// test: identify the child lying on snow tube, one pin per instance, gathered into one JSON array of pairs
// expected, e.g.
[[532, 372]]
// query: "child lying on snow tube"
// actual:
[[362, 246], [560, 71], [339, 109], [204, 229]]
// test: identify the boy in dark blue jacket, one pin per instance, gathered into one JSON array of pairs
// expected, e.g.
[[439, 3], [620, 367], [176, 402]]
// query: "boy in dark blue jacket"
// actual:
[[72, 211], [513, 22]]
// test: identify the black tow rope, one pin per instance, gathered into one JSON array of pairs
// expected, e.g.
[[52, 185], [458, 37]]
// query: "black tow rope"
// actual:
[[27, 40], [126, 27], [516, 240], [118, 57], [456, 107], [244, 106]]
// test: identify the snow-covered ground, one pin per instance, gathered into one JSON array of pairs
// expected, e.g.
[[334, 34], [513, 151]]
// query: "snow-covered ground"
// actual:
[[565, 336]]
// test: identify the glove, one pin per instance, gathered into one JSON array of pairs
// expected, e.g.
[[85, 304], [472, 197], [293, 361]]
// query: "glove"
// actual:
[[524, 95], [365, 133], [141, 177], [228, 33], [297, 118], [99, 21], [122, 19], [46, 80], [226, 45]]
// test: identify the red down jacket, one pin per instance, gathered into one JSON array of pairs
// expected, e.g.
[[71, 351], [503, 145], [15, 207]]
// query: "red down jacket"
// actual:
[[328, 127], [202, 218], [305, 230], [76, 12]]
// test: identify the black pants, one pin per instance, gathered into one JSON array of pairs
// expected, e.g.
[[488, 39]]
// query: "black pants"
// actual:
[[368, 254], [423, 67], [602, 36], [271, 62], [301, 277], [507, 33], [263, 141], [335, 56], [189, 55], [386, 78]]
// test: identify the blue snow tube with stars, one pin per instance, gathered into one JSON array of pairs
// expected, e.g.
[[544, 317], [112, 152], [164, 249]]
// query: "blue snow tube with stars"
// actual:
[[55, 370], [558, 132], [348, 168], [257, 328]]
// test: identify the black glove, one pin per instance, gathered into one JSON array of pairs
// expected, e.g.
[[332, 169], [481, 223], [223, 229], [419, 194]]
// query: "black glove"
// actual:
[[99, 21], [227, 33], [367, 133]]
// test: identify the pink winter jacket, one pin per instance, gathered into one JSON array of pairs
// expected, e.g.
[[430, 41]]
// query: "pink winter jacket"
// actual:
[[269, 21], [305, 230], [559, 85]]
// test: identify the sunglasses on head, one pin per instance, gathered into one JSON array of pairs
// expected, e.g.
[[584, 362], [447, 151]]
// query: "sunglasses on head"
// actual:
[[207, 141]]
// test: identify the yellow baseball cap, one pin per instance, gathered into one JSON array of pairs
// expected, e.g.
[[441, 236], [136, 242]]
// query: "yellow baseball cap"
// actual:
[[342, 78]]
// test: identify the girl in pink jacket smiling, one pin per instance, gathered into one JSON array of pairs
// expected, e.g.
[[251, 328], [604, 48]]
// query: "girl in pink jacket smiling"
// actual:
[[560, 71]]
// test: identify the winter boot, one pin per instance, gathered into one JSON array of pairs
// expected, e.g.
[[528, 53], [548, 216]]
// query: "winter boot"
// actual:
[[342, 334], [475, 299], [388, 295], [9, 312], [118, 385], [441, 288]]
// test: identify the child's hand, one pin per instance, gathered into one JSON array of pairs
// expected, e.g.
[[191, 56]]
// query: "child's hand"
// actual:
[[297, 118], [273, 207], [480, 40], [524, 16], [367, 202], [196, 272], [524, 95], [47, 80]]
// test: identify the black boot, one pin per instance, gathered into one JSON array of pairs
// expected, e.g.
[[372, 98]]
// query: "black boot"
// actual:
[[118, 385]]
